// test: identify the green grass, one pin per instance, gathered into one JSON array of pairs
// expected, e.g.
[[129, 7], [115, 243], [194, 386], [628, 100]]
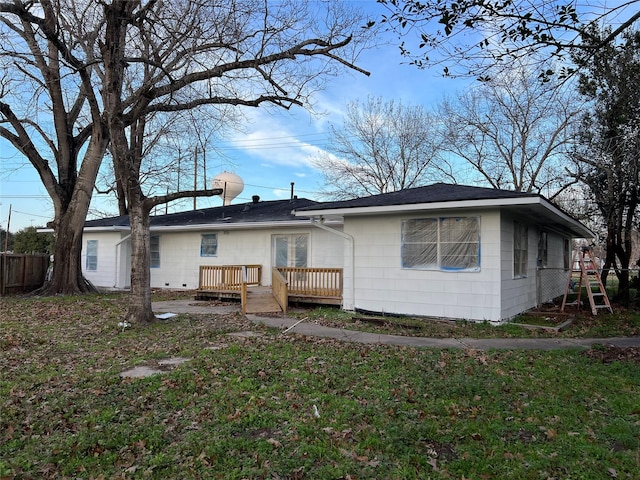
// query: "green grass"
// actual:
[[246, 409], [620, 324]]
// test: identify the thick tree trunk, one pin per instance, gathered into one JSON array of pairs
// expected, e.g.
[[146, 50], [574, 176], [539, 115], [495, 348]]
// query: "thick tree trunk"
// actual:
[[67, 267], [140, 301]]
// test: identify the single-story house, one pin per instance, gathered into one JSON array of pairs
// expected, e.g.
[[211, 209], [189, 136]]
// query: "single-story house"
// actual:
[[441, 250], [265, 233], [451, 251]]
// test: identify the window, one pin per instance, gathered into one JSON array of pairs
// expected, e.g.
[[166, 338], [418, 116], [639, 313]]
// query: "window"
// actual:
[[543, 249], [290, 250], [520, 249], [155, 251], [447, 243], [209, 245], [91, 264], [567, 254]]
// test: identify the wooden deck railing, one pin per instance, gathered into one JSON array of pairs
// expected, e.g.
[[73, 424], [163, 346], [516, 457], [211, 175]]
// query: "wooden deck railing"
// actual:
[[280, 289], [229, 277], [313, 282]]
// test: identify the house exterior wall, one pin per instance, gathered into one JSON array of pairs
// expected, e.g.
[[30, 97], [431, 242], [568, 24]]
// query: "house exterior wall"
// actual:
[[108, 265], [383, 285], [180, 254]]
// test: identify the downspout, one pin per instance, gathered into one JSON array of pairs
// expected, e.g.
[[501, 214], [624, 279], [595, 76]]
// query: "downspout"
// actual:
[[319, 222]]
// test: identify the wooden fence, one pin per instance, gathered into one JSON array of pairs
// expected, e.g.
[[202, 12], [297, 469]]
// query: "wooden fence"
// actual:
[[229, 277], [22, 272]]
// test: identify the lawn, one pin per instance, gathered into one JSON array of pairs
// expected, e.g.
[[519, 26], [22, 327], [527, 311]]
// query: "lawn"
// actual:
[[284, 406]]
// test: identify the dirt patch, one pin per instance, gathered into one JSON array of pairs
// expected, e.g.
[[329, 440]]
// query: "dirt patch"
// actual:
[[609, 354]]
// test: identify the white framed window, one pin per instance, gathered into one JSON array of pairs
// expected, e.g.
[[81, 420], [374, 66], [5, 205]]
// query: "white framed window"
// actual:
[[445, 243], [520, 249], [209, 245], [91, 260], [154, 247], [290, 250]]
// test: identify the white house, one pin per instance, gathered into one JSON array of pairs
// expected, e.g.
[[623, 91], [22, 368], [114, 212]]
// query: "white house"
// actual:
[[451, 251], [259, 232], [442, 250]]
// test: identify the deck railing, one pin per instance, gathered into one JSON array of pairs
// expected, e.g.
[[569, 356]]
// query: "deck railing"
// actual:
[[280, 289], [229, 277], [313, 282]]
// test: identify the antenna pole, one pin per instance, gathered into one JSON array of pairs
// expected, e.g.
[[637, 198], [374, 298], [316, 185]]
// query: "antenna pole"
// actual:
[[292, 184], [195, 178]]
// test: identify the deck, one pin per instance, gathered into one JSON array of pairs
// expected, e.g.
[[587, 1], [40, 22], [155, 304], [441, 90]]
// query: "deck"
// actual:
[[289, 284]]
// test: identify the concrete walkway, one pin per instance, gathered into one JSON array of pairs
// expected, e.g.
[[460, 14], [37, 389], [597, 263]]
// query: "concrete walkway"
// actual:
[[314, 330]]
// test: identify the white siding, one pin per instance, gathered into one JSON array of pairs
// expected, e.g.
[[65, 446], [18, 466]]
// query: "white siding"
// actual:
[[180, 258], [106, 271], [518, 294], [382, 285]]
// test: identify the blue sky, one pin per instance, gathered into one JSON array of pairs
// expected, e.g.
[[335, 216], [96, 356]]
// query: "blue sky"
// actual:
[[274, 149]]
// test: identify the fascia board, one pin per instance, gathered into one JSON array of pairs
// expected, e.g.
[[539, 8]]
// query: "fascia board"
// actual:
[[419, 207], [208, 226], [231, 226], [536, 202]]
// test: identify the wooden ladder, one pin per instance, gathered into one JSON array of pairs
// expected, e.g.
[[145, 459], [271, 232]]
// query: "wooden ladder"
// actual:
[[590, 279]]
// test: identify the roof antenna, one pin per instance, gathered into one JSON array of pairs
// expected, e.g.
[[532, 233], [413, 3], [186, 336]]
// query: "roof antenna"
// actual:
[[292, 184]]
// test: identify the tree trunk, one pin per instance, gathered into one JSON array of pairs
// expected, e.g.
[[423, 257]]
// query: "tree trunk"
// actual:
[[67, 267], [140, 301]]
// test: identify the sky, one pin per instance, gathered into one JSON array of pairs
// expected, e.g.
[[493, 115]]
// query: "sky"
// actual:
[[275, 147]]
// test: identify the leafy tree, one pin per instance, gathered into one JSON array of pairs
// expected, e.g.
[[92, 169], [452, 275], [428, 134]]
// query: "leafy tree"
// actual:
[[29, 240], [381, 147], [514, 131], [470, 35], [607, 159], [4, 240]]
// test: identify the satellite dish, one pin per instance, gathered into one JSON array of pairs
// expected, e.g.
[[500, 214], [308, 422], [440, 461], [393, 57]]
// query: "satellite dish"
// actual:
[[231, 185]]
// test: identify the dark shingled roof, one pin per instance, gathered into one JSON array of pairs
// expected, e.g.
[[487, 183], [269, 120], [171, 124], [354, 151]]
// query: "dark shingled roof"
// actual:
[[438, 192], [260, 212]]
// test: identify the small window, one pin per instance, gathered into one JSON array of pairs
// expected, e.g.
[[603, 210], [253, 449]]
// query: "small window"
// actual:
[[567, 254], [543, 252], [209, 245], [447, 243], [155, 251], [91, 264], [520, 249]]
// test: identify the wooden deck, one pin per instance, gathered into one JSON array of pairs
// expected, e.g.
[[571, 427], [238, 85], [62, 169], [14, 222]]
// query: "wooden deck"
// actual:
[[289, 284], [261, 300]]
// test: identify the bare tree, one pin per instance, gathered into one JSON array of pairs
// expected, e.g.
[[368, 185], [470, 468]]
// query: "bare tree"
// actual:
[[607, 157], [147, 59], [50, 112], [515, 132], [380, 147], [468, 36], [253, 53]]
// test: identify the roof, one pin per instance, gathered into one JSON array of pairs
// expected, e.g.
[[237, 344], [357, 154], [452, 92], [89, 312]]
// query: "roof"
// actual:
[[438, 192], [439, 196], [262, 212]]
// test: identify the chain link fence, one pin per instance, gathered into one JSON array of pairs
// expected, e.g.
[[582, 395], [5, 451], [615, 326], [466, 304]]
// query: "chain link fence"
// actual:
[[552, 283]]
